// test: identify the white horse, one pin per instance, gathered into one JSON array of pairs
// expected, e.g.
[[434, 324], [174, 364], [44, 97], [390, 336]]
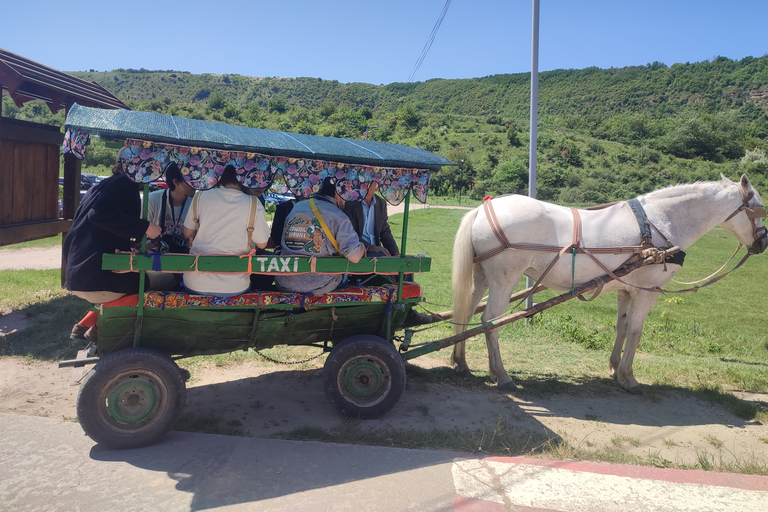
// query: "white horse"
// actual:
[[680, 215]]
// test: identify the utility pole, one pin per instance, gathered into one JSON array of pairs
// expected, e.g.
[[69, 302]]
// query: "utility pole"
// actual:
[[534, 126]]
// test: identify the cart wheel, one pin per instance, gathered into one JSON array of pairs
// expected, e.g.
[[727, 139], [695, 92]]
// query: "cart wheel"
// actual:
[[364, 376], [131, 398]]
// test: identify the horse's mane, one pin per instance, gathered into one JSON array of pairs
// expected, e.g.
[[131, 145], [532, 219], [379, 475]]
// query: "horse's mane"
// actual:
[[684, 189]]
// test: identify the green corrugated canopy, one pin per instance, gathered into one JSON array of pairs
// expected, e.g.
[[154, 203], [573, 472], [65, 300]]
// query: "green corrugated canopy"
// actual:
[[204, 148]]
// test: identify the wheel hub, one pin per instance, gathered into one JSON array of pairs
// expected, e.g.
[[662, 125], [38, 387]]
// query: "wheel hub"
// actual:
[[364, 379], [132, 400]]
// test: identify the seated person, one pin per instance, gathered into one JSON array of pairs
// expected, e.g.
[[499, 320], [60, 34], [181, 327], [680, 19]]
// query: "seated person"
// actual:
[[168, 209], [304, 235], [218, 223], [108, 219], [371, 222]]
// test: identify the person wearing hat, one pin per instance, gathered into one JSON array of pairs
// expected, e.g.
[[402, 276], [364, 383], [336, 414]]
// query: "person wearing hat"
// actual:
[[107, 220], [318, 227]]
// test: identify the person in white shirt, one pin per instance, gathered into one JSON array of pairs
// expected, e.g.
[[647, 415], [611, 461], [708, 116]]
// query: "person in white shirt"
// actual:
[[168, 209], [176, 199], [223, 214]]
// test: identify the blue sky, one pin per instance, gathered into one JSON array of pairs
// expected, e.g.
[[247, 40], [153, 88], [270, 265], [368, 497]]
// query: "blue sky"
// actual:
[[378, 42]]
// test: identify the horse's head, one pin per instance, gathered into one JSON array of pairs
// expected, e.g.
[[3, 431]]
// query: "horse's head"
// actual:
[[746, 221]]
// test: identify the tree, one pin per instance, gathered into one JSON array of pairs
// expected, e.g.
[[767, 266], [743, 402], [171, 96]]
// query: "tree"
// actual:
[[327, 109], [277, 104], [407, 115]]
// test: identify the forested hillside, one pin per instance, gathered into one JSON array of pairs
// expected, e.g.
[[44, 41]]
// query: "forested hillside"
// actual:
[[604, 134]]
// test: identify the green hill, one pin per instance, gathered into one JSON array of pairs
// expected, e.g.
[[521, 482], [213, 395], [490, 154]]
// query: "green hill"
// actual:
[[604, 133]]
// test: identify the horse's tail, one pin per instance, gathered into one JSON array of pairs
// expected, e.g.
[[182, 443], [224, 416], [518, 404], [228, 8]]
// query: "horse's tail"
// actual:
[[463, 265]]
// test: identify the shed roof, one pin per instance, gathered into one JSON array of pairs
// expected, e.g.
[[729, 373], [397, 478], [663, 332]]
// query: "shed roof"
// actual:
[[26, 80]]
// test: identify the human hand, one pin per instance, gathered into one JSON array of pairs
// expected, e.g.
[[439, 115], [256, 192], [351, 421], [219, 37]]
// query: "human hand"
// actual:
[[377, 249], [153, 231]]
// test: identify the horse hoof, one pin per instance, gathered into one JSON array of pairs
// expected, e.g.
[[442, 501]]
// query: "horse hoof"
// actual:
[[462, 372], [637, 390], [509, 387]]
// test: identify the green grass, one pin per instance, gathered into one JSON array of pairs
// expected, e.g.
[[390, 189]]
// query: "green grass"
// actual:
[[43, 243]]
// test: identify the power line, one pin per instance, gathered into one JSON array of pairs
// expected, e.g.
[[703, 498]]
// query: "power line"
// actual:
[[428, 45]]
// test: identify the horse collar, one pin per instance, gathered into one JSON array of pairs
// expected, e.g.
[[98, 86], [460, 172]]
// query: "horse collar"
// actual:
[[642, 221]]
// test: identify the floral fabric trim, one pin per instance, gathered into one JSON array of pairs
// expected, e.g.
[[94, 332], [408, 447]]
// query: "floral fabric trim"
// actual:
[[75, 143], [353, 294], [145, 161]]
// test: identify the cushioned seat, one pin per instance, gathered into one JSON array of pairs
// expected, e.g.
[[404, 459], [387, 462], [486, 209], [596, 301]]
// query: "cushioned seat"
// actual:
[[161, 300]]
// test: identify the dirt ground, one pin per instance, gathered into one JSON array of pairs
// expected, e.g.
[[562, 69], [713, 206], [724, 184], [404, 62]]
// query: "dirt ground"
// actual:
[[264, 401], [261, 401]]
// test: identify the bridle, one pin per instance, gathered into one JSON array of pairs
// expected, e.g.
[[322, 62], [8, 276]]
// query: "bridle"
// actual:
[[757, 211]]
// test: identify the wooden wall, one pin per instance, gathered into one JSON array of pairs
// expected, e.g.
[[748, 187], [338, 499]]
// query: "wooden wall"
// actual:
[[29, 181]]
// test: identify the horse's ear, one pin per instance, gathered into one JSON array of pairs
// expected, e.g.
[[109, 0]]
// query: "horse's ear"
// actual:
[[724, 179], [745, 184]]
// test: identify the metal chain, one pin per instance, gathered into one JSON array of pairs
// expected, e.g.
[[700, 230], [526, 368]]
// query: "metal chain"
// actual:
[[288, 362]]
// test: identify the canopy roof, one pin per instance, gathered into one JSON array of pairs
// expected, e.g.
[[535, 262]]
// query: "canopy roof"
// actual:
[[26, 80], [203, 149], [159, 128]]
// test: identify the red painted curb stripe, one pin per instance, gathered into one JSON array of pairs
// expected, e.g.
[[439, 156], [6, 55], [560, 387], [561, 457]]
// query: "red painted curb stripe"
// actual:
[[680, 476]]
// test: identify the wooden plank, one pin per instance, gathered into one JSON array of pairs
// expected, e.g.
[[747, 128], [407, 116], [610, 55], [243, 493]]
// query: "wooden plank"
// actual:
[[17, 233], [264, 264], [52, 183], [23, 131], [17, 212], [22, 202], [37, 158], [7, 177]]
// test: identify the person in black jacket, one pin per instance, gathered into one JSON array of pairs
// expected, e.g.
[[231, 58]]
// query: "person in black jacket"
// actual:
[[371, 222], [108, 219]]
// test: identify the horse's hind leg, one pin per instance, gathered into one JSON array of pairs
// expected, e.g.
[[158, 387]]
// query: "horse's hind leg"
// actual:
[[622, 322], [458, 355], [498, 301]]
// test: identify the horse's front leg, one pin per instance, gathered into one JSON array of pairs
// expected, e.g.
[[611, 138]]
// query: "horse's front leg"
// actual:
[[640, 305], [622, 322]]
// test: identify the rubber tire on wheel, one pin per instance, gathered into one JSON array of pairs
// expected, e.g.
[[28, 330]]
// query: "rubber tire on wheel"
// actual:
[[131, 398], [364, 376]]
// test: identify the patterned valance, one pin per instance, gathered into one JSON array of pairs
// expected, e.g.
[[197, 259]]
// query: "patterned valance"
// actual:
[[146, 161]]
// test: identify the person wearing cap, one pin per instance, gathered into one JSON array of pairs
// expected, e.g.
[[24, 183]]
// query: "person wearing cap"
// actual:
[[107, 220], [168, 208], [306, 233]]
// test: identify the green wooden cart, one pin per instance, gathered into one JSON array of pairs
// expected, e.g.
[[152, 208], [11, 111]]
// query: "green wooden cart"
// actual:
[[135, 392]]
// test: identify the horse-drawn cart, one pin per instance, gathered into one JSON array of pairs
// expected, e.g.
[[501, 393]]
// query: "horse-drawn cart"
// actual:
[[135, 392]]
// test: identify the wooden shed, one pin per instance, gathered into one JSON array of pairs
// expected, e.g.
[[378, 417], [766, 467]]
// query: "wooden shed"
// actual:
[[30, 153]]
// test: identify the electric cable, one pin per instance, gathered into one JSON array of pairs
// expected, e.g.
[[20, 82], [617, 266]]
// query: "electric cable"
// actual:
[[429, 42]]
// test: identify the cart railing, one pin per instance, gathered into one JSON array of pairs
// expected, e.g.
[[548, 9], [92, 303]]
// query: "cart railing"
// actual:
[[263, 264]]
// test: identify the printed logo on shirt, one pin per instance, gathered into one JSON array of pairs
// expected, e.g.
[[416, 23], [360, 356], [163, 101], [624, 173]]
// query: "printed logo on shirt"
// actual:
[[303, 233]]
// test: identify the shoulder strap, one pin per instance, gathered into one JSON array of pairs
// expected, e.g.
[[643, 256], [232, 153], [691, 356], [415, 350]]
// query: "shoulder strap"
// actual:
[[327, 231], [195, 216], [251, 219], [162, 212]]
